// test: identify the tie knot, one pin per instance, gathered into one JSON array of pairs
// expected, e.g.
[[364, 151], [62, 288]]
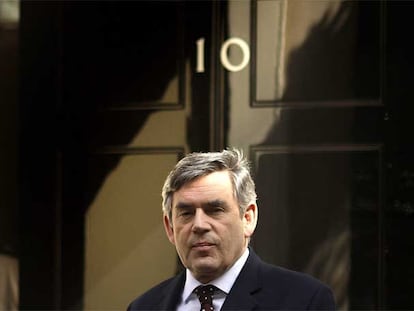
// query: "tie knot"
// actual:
[[205, 294]]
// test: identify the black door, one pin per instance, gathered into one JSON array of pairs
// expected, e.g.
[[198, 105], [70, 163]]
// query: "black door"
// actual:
[[112, 94]]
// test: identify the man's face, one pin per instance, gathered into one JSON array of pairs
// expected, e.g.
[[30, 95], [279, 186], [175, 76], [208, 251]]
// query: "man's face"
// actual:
[[207, 229]]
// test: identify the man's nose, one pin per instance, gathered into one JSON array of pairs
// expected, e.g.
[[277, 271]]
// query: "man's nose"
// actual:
[[200, 221]]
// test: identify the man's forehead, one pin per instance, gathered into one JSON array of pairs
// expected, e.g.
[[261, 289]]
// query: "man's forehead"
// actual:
[[222, 175]]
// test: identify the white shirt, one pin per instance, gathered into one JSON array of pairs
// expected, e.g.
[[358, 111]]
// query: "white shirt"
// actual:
[[189, 300]]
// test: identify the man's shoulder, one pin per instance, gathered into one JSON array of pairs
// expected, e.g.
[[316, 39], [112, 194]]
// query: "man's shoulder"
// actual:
[[274, 274], [290, 289], [285, 276]]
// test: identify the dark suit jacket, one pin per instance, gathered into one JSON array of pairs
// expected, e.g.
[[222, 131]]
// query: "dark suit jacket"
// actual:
[[259, 286]]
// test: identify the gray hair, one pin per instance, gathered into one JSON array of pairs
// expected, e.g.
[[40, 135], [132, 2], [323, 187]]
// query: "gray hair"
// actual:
[[199, 164]]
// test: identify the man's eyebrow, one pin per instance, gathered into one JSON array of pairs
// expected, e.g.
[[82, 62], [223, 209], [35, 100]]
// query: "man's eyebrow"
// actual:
[[215, 203], [212, 203]]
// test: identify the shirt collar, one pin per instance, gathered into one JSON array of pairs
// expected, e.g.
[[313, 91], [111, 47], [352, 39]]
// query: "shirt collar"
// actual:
[[224, 282]]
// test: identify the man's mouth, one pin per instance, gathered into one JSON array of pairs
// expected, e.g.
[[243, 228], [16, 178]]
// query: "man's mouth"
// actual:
[[202, 245]]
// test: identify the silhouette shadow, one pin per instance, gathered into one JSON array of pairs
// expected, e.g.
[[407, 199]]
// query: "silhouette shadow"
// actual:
[[306, 197]]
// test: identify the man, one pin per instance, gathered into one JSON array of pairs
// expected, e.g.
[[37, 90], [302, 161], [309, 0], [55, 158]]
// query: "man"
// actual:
[[210, 214]]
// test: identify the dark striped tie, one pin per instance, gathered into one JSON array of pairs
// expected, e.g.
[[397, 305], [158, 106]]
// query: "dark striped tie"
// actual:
[[205, 295]]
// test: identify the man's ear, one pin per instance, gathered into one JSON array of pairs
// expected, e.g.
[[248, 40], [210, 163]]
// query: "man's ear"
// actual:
[[169, 229], [250, 219]]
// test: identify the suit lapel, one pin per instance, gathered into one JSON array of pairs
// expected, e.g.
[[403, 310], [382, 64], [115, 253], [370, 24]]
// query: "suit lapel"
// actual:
[[247, 284], [172, 293]]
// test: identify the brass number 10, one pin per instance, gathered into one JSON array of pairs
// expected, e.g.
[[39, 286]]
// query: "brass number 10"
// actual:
[[224, 54]]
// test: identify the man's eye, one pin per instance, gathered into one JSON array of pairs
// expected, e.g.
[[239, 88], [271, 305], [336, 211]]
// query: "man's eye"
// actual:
[[185, 213], [216, 209]]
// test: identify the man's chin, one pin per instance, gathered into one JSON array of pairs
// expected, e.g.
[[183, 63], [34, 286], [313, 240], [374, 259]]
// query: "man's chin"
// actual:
[[205, 272], [205, 266]]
